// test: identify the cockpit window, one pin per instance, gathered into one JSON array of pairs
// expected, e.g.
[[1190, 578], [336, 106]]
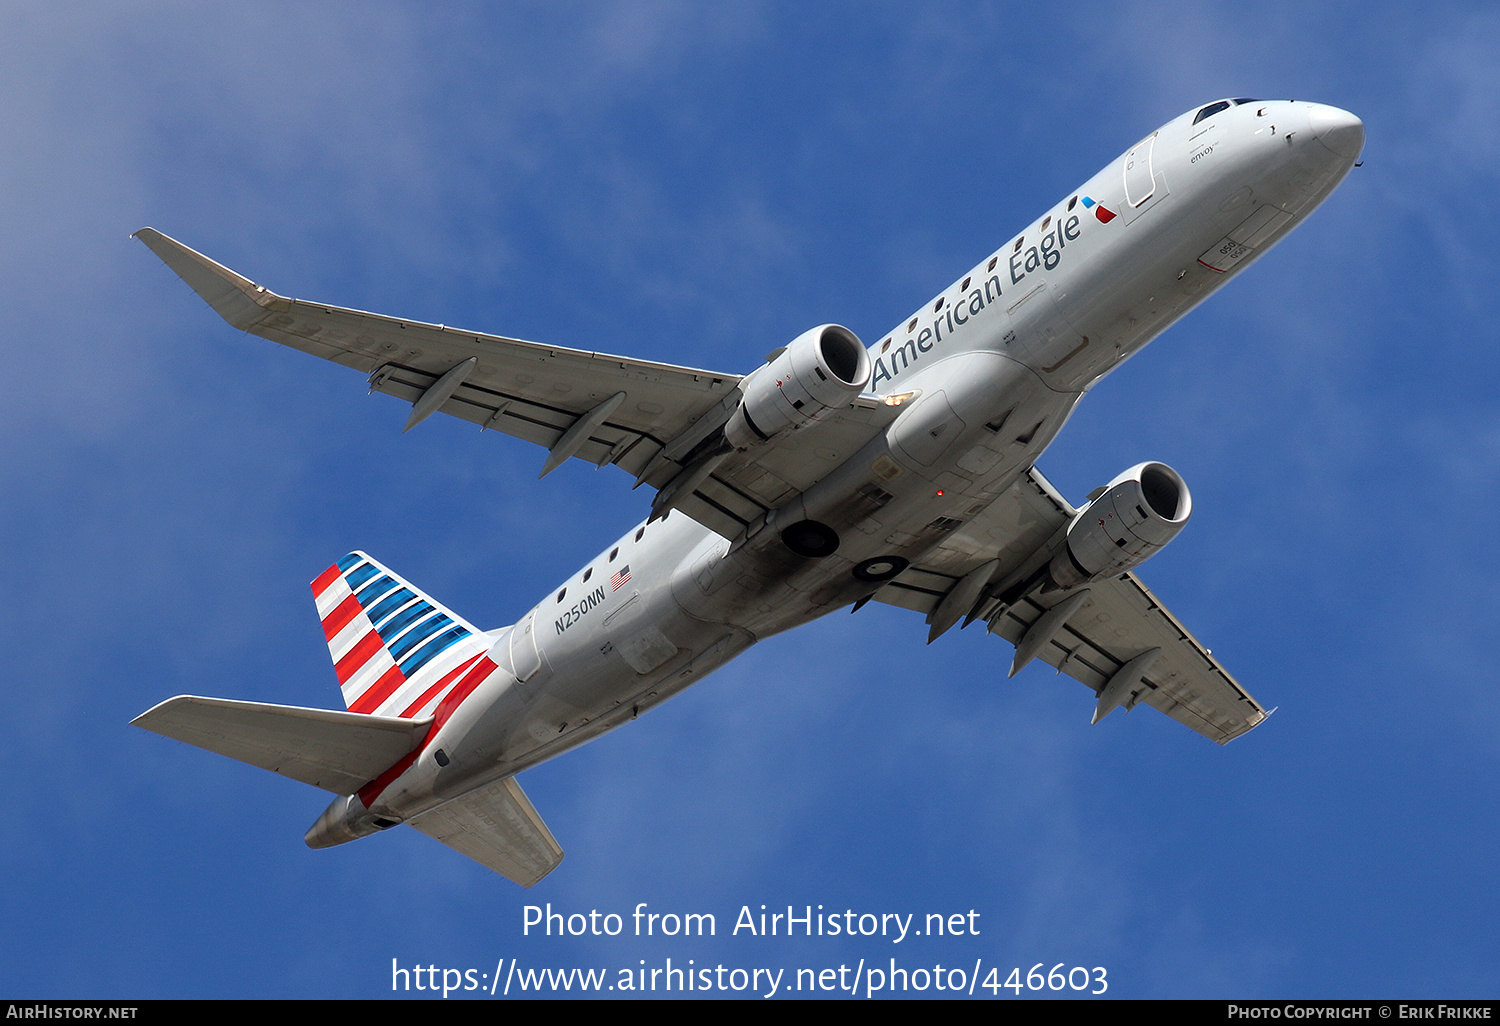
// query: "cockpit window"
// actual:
[[1211, 110], [1245, 99]]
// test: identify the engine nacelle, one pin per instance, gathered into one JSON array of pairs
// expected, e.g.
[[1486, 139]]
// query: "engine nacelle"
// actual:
[[818, 374], [1138, 513]]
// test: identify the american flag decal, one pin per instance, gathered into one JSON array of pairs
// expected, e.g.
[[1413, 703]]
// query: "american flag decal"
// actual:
[[619, 578]]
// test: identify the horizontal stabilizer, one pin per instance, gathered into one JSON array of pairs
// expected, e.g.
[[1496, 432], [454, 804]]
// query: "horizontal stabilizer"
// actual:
[[337, 751], [497, 827]]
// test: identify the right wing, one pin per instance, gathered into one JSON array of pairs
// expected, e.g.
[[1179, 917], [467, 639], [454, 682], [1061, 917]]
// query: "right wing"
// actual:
[[647, 417], [498, 827]]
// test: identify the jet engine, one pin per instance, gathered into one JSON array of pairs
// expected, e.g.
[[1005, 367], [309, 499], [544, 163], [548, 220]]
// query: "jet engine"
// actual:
[[1130, 520], [819, 373]]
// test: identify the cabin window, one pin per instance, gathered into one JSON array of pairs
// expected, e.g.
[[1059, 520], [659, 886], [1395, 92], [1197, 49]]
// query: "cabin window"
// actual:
[[639, 533], [1018, 244], [588, 573], [993, 262], [965, 286], [1046, 222], [938, 305], [1072, 202], [912, 325], [561, 594], [613, 553]]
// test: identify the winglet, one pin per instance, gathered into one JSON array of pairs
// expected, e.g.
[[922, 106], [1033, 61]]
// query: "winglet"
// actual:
[[234, 297]]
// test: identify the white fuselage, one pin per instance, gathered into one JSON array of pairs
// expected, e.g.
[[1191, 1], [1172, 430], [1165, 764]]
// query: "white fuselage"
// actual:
[[998, 359]]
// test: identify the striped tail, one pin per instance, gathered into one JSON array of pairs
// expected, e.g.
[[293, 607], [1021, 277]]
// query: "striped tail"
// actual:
[[395, 650]]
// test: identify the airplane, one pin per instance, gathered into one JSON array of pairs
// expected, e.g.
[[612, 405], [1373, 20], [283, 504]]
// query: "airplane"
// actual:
[[832, 475]]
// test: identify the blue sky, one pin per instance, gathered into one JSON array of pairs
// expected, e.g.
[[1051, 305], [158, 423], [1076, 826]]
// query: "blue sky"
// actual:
[[697, 184]]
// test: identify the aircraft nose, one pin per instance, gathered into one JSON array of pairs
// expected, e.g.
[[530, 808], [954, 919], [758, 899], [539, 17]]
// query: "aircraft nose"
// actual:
[[1337, 129]]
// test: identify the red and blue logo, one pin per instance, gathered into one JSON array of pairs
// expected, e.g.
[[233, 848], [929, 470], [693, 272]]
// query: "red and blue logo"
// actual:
[[1103, 213]]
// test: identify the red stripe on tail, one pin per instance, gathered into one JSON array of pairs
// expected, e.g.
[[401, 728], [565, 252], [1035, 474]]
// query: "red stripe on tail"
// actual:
[[378, 692], [357, 657], [324, 579], [339, 617], [440, 685]]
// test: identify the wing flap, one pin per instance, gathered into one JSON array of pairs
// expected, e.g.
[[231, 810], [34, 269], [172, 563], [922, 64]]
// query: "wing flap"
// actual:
[[541, 423], [337, 751], [498, 827]]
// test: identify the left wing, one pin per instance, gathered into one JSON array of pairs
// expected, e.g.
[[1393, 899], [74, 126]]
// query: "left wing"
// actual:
[[531, 391], [649, 418], [1103, 634]]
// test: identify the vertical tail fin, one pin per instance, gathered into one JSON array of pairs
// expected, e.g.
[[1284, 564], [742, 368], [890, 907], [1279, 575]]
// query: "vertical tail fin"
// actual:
[[395, 650]]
